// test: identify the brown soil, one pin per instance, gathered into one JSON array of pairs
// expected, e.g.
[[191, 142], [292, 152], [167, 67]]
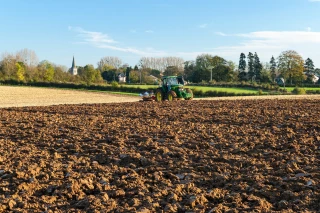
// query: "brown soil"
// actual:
[[291, 97], [187, 156]]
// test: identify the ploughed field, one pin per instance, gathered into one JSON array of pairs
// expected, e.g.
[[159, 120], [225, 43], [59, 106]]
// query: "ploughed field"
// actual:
[[186, 156]]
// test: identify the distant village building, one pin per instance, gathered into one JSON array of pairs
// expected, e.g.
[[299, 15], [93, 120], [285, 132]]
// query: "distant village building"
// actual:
[[155, 79], [122, 78], [74, 69], [315, 78]]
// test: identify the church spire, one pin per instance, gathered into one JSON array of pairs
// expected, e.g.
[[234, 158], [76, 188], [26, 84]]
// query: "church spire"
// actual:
[[73, 63], [74, 70]]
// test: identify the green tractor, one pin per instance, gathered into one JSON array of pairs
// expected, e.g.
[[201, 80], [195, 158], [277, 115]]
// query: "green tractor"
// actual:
[[172, 88]]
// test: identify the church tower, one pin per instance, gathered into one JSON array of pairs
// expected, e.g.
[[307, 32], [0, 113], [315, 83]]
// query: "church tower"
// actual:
[[73, 69]]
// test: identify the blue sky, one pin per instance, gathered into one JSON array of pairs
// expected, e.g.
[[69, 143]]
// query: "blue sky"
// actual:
[[130, 29]]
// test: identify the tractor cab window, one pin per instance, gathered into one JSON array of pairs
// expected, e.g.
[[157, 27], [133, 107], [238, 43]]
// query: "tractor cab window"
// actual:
[[180, 80], [172, 81]]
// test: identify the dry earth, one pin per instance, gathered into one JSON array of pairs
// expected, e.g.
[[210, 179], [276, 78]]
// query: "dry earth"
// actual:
[[291, 97], [187, 156], [11, 96]]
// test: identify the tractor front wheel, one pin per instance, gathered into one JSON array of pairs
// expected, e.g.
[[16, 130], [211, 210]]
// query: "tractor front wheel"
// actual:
[[172, 95], [159, 95], [190, 92]]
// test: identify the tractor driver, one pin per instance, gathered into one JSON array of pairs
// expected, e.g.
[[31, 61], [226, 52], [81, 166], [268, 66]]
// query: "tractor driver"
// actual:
[[165, 84], [168, 85]]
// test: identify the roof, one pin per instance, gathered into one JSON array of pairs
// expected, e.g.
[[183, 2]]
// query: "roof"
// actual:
[[169, 76], [152, 76]]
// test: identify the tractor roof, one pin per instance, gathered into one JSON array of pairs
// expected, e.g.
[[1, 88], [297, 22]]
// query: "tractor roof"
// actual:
[[173, 76]]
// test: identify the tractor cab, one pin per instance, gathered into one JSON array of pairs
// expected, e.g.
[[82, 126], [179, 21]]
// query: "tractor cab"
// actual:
[[168, 82], [172, 87]]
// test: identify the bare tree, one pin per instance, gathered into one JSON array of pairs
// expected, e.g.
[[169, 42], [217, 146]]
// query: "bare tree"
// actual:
[[176, 62], [110, 61], [8, 62], [161, 63], [28, 57]]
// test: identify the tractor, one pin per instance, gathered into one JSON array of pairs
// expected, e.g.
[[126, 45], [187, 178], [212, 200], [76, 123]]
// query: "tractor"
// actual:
[[172, 88]]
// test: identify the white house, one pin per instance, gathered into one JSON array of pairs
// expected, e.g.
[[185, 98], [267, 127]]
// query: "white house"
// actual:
[[122, 78], [315, 79], [155, 79]]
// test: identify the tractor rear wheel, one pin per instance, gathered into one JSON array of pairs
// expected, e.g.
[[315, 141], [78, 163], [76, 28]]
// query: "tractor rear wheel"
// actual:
[[172, 95], [190, 92], [159, 95]]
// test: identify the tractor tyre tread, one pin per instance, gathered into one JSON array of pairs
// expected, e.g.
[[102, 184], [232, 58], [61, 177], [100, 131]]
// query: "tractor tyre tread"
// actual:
[[173, 94], [162, 95]]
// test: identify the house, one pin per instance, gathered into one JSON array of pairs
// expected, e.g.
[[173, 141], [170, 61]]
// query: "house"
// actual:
[[315, 78], [122, 78], [155, 79], [279, 81]]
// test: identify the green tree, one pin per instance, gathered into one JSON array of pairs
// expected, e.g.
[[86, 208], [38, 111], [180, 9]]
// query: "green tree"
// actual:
[[155, 73], [273, 67], [49, 73], [110, 75], [222, 73], [89, 74], [204, 65], [250, 66], [1, 71], [107, 67], [265, 76], [309, 66], [46, 71], [242, 67], [257, 67], [290, 66], [144, 74], [309, 70], [128, 70], [147, 79], [317, 71], [217, 60], [203, 61], [231, 64], [98, 76], [189, 68], [200, 75], [134, 76], [80, 71], [20, 71], [61, 74]]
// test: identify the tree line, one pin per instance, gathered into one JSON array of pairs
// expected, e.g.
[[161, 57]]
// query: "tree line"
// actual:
[[24, 66], [289, 66]]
